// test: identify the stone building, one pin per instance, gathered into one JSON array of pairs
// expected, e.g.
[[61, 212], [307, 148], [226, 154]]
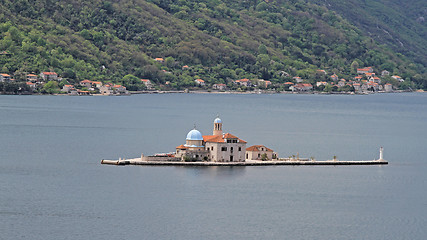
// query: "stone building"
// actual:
[[218, 147], [260, 152]]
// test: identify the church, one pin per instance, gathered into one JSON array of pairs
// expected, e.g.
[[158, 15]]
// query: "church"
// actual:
[[218, 147]]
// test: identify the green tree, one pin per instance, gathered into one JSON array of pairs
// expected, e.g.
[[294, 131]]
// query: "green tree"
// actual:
[[51, 87], [130, 79], [262, 49]]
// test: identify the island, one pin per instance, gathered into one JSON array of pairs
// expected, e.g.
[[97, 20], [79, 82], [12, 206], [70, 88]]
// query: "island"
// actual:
[[226, 149]]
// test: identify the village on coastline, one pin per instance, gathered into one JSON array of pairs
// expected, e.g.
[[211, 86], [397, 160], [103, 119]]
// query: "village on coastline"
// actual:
[[364, 82], [226, 149]]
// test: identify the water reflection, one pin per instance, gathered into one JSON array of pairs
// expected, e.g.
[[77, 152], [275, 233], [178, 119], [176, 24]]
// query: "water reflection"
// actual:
[[222, 172]]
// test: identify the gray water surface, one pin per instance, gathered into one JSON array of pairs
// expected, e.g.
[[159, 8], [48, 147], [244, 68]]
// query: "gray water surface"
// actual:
[[54, 187]]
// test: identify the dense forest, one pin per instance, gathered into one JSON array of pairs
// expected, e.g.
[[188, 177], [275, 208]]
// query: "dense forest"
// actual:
[[399, 24], [218, 40]]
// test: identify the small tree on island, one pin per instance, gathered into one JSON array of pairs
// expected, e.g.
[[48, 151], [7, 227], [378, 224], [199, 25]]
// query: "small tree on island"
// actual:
[[264, 157]]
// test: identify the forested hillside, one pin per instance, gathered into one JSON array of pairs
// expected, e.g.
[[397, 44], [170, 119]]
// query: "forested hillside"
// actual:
[[400, 24], [218, 40]]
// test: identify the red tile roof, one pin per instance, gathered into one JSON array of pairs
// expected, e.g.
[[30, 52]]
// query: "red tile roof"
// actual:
[[221, 138], [208, 138], [50, 73], [257, 148], [243, 80]]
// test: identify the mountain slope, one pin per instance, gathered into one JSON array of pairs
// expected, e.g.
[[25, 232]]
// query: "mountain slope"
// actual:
[[399, 24], [219, 40]]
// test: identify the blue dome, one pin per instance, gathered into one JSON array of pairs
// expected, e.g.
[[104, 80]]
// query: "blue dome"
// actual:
[[217, 120], [194, 135]]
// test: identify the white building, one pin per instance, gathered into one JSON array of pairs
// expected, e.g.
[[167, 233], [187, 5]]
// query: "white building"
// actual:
[[218, 147], [200, 82], [49, 76], [388, 87], [260, 152], [147, 83], [4, 77], [219, 86]]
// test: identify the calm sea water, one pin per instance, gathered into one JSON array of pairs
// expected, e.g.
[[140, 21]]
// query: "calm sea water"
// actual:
[[54, 187]]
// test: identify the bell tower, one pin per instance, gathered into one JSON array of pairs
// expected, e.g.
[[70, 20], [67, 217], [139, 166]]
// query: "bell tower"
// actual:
[[217, 131]]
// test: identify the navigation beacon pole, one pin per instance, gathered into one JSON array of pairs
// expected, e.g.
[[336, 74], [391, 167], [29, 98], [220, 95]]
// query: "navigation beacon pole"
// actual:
[[381, 154]]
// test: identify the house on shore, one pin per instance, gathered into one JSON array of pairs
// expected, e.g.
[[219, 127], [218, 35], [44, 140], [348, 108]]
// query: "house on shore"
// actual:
[[243, 82], [4, 77], [318, 84], [67, 88], [219, 86], [32, 78], [398, 78], [120, 89], [96, 84], [49, 76], [31, 85], [106, 90], [147, 83], [334, 77], [298, 79], [388, 87], [365, 70], [301, 87], [86, 83], [200, 82]]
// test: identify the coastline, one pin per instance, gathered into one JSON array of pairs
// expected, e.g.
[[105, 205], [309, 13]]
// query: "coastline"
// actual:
[[222, 92]]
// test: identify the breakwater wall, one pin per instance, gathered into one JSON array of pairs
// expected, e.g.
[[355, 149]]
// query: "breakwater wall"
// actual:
[[252, 163]]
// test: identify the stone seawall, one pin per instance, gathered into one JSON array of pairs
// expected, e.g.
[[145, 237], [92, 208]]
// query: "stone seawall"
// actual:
[[251, 163]]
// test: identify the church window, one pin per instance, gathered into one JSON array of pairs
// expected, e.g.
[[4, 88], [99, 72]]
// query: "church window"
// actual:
[[224, 149], [212, 148], [240, 149]]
